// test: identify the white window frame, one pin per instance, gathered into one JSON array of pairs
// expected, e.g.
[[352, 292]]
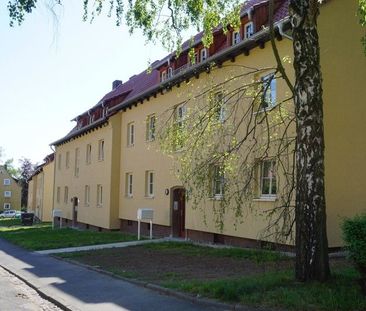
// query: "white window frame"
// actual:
[[163, 76], [7, 182], [7, 206], [170, 72], [272, 193], [129, 185], [131, 134], [219, 102], [99, 195], [77, 162], [269, 97], [218, 182], [66, 195], [59, 162], [101, 146], [58, 194], [88, 154], [203, 54], [150, 183], [248, 30], [7, 194], [87, 195], [67, 159], [235, 37], [150, 127]]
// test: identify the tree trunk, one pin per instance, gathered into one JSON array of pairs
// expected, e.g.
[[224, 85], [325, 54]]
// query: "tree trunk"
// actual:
[[312, 262]]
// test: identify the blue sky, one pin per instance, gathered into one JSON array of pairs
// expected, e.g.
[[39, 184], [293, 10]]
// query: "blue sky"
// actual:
[[50, 71]]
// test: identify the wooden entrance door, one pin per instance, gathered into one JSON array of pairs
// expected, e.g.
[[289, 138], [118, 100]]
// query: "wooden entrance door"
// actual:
[[178, 212]]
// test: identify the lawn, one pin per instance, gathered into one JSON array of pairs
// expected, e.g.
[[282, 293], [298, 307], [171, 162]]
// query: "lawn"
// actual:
[[234, 275], [7, 222], [42, 236]]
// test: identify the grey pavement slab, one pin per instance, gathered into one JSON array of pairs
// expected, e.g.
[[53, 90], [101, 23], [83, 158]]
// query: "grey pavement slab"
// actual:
[[79, 288], [98, 246]]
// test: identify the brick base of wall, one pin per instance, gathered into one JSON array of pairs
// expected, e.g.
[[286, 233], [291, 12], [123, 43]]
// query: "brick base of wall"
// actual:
[[159, 231]]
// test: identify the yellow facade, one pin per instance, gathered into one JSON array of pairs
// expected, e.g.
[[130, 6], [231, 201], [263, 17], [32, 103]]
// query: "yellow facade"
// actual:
[[96, 173], [40, 192], [128, 161], [10, 191]]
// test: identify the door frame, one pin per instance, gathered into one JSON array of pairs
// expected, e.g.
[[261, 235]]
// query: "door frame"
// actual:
[[182, 234]]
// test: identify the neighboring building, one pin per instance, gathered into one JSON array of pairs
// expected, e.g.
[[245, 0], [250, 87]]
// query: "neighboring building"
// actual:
[[40, 190], [111, 162], [10, 191]]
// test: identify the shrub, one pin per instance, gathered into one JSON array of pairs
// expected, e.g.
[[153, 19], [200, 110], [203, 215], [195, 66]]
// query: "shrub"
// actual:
[[354, 234]]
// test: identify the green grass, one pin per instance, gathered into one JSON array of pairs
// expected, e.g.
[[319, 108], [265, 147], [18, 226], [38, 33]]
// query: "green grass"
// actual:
[[7, 222], [190, 249], [278, 289], [42, 236]]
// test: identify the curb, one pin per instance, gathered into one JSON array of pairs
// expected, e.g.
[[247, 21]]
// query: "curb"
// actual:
[[39, 291], [167, 291]]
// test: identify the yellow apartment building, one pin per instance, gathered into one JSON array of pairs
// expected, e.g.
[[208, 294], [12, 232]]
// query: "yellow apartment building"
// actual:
[[40, 190], [10, 191], [112, 163]]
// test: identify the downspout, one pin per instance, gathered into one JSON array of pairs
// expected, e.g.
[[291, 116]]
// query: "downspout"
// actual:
[[54, 183]]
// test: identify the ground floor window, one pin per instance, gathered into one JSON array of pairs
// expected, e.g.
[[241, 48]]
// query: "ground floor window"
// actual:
[[268, 178]]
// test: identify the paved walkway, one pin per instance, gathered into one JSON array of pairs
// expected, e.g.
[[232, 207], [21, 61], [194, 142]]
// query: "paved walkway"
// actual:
[[78, 288], [100, 246]]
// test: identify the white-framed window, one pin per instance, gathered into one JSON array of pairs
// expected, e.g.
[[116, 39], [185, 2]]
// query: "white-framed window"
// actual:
[[170, 72], [150, 127], [101, 150], [6, 182], [77, 162], [67, 159], [180, 114], [180, 117], [163, 76], [7, 205], [58, 195], [235, 37], [248, 30], [149, 183], [87, 195], [129, 184], [269, 87], [99, 195], [66, 195], [7, 194], [218, 182], [219, 106], [130, 134], [59, 162], [203, 54], [88, 153], [268, 185]]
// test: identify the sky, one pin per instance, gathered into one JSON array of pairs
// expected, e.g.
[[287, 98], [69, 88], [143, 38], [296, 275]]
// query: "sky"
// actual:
[[53, 70]]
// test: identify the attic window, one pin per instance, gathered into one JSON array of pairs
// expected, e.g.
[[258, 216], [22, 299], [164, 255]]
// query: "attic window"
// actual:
[[248, 30], [170, 72], [204, 54], [235, 37], [163, 76]]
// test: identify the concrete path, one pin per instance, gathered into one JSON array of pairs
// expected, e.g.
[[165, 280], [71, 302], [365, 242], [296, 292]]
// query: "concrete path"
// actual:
[[78, 288], [100, 246]]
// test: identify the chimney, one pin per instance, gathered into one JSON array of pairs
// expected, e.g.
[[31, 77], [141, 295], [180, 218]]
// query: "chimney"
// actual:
[[116, 83]]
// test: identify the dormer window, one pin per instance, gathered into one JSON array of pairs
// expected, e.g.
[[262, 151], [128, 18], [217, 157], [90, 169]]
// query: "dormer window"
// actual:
[[204, 54], [91, 118], [235, 37], [248, 30], [163, 76], [170, 72]]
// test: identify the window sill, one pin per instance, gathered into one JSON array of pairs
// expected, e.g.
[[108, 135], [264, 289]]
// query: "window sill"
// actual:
[[129, 196], [100, 205], [217, 198], [149, 197], [265, 110], [131, 146], [266, 199]]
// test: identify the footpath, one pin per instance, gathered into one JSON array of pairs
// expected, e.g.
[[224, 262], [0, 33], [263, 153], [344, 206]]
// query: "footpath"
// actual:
[[77, 288]]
